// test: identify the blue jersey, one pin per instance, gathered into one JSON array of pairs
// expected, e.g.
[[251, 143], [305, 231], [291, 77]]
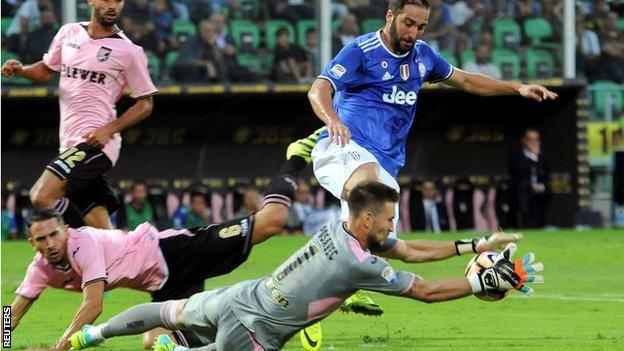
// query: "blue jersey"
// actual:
[[376, 93]]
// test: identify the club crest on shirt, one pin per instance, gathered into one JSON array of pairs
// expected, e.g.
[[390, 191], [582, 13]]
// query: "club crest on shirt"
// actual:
[[404, 71], [103, 54], [422, 70]]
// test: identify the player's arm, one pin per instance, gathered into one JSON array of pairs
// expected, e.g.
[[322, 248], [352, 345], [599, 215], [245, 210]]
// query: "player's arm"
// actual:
[[414, 251], [141, 109], [19, 307], [503, 275], [320, 96], [480, 84], [440, 290], [89, 310], [37, 72]]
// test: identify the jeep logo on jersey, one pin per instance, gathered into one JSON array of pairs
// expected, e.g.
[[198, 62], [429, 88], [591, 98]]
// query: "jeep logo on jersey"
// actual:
[[404, 71], [103, 54], [400, 97]]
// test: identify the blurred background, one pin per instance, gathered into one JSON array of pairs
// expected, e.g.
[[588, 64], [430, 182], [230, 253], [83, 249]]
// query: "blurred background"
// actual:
[[233, 77]]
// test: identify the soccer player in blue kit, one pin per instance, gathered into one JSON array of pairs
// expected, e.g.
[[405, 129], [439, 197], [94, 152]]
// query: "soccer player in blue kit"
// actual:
[[375, 81]]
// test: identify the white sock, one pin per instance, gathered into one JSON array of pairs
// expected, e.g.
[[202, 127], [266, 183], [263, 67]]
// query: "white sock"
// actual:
[[95, 333], [180, 348]]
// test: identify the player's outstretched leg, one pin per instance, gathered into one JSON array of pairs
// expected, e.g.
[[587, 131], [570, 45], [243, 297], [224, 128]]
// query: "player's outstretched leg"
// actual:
[[361, 303], [303, 147]]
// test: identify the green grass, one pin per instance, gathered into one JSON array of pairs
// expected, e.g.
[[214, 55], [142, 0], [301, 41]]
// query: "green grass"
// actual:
[[579, 307]]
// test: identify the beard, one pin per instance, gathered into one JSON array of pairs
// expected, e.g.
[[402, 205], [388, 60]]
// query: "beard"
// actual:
[[100, 17], [373, 242], [396, 41]]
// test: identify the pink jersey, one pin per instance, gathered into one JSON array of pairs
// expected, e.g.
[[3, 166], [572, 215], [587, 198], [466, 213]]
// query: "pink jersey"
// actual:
[[94, 73], [132, 260]]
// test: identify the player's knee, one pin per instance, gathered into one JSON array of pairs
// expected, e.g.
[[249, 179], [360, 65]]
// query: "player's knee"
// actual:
[[367, 171], [148, 339], [39, 199]]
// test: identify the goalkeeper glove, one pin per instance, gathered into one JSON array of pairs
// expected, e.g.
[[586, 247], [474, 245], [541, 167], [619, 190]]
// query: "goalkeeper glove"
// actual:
[[507, 275], [494, 242]]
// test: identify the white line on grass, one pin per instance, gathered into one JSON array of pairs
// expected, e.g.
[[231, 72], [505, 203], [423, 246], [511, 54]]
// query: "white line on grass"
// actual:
[[600, 298]]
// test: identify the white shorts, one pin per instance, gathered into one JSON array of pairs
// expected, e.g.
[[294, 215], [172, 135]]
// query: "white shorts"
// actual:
[[333, 166]]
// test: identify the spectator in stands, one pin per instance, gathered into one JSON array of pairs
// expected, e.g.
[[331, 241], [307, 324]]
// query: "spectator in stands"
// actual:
[[483, 62], [303, 217], [291, 62], [612, 39], [596, 18], [27, 19], [202, 9], [200, 59], [363, 9], [289, 10], [138, 210], [252, 201], [311, 39], [552, 11], [523, 9], [429, 214], [346, 33], [470, 17], [195, 215], [223, 39], [163, 28], [439, 33], [9, 222], [138, 25], [38, 41], [588, 52], [529, 172]]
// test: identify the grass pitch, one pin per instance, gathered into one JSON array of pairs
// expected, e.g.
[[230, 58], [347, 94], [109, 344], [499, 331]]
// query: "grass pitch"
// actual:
[[579, 307]]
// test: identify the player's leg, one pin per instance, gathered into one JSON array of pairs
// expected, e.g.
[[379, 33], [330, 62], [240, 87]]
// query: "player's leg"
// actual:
[[49, 191], [176, 290], [98, 217], [232, 335], [135, 320], [96, 200]]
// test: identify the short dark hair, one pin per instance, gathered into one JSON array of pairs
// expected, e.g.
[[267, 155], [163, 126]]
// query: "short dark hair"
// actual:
[[370, 195], [43, 214], [196, 193], [280, 31], [138, 182], [396, 6]]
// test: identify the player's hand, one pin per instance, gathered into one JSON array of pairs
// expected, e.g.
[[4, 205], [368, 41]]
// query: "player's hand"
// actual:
[[11, 68], [98, 137], [536, 92], [505, 274], [496, 241], [338, 132]]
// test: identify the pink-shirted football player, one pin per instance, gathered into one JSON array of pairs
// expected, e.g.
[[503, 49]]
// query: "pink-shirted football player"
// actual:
[[96, 62]]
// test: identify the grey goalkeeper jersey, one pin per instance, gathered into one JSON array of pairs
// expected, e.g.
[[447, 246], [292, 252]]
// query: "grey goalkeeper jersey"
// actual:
[[312, 283]]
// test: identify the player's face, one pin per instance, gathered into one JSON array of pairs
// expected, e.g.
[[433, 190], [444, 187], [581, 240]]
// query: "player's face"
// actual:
[[106, 11], [382, 225], [407, 27], [49, 238]]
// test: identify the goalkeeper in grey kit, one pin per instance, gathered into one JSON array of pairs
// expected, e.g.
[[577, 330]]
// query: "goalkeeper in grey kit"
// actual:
[[341, 258]]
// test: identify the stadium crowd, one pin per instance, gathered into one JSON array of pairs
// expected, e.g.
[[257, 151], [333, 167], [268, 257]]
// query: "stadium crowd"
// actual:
[[276, 40]]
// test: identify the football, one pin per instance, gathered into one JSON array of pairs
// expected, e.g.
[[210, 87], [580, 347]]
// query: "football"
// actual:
[[480, 262]]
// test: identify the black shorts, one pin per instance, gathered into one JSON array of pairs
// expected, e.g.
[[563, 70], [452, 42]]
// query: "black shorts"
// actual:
[[83, 167], [207, 252]]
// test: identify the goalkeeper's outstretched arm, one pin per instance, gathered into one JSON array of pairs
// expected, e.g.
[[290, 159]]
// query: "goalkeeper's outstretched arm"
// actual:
[[414, 251]]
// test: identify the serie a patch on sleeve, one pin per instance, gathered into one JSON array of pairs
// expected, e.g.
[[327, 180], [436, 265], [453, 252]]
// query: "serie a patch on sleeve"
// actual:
[[337, 71]]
